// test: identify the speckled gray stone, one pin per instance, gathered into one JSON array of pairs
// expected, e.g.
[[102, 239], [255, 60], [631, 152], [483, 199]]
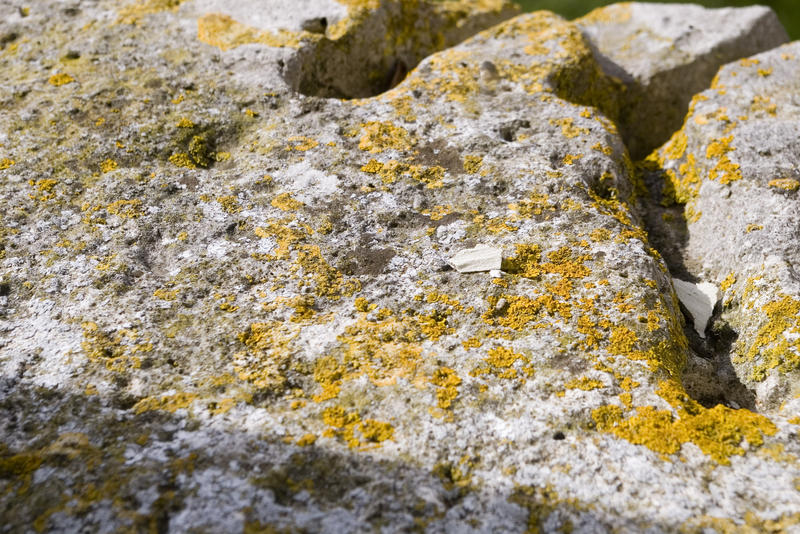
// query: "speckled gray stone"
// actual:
[[226, 302]]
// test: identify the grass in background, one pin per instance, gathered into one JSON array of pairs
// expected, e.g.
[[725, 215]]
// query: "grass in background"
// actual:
[[788, 10]]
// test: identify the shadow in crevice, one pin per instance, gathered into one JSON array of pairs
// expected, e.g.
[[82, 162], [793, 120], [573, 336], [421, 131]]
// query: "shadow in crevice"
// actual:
[[709, 377]]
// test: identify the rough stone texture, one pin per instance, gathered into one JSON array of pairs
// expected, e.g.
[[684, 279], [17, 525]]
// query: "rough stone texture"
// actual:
[[735, 164], [665, 55], [227, 305]]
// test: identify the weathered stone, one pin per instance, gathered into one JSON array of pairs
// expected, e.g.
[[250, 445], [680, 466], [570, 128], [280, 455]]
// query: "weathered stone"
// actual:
[[227, 304], [735, 165], [665, 53]]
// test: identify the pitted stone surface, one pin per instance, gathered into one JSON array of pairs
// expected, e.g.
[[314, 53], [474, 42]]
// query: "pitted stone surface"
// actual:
[[665, 53], [227, 306]]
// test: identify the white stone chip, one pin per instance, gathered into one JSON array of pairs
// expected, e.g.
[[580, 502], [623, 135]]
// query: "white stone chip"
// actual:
[[478, 259], [699, 300]]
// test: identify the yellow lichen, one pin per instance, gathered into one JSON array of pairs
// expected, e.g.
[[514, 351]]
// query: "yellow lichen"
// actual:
[[381, 136], [5, 163], [226, 33], [717, 431], [126, 209], [229, 204], [787, 184], [447, 382], [108, 165], [301, 143], [59, 79]]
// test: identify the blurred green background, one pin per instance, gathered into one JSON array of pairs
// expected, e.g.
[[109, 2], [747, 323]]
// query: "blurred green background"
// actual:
[[788, 10]]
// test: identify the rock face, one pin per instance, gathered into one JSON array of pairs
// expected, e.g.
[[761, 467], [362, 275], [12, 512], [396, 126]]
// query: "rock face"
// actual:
[[227, 303], [665, 55], [735, 165]]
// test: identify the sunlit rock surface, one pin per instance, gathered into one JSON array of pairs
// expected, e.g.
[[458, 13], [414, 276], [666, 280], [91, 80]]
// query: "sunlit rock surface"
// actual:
[[227, 304]]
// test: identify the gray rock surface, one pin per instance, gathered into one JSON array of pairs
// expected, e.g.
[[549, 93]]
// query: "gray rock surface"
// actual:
[[227, 304], [666, 54]]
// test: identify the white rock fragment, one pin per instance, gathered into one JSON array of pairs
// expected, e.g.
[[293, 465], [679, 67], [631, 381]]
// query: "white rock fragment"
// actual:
[[477, 259], [699, 300]]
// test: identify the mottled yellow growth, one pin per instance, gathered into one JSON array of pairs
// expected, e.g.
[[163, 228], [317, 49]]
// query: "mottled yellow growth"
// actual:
[[381, 136], [472, 164], [60, 79], [229, 204], [584, 383], [787, 184], [306, 440], [728, 282], [717, 431], [301, 143], [777, 343], [185, 123], [108, 165], [5, 163], [285, 202], [226, 33], [568, 128], [167, 403], [126, 209], [447, 381]]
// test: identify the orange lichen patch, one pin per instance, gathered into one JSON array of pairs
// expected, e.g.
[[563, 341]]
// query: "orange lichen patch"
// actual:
[[570, 159], [182, 159], [62, 78], [725, 169], [777, 343], [717, 431], [43, 189], [166, 403], [584, 383], [787, 184], [267, 355], [568, 128], [727, 282], [165, 294], [285, 202], [471, 343], [764, 72], [184, 123], [5, 163], [132, 13], [384, 348], [472, 164], [500, 362], [537, 204], [392, 171], [381, 136], [348, 426], [229, 204], [613, 14], [763, 103], [301, 143], [447, 382], [117, 350], [108, 165], [286, 236], [329, 281], [306, 440], [521, 310], [126, 209], [226, 33], [437, 213]]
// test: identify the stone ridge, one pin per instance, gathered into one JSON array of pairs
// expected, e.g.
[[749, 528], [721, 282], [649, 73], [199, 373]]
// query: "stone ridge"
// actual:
[[226, 305], [666, 55]]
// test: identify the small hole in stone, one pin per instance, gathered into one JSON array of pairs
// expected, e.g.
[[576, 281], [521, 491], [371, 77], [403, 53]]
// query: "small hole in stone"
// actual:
[[558, 436]]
